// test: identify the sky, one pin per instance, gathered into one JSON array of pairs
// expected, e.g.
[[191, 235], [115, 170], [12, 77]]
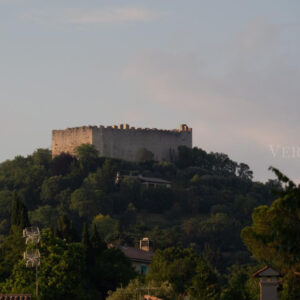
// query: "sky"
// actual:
[[230, 69]]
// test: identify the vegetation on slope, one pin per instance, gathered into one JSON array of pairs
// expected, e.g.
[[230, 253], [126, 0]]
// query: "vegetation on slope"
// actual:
[[210, 201]]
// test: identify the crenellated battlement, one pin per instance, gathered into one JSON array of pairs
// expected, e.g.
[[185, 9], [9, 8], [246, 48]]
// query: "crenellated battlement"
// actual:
[[122, 141], [127, 127]]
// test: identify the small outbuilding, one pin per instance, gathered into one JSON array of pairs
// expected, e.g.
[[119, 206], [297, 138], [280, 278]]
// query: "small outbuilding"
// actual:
[[140, 258], [146, 181], [269, 283]]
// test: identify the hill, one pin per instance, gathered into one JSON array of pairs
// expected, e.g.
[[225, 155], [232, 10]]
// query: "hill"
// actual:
[[210, 199]]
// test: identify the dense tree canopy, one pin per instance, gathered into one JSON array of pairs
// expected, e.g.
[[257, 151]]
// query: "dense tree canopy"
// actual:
[[209, 202], [273, 237]]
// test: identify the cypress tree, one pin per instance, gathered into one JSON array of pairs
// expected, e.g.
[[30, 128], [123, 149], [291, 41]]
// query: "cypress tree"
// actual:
[[88, 251], [97, 243], [85, 238], [19, 214], [24, 220], [64, 229], [14, 211]]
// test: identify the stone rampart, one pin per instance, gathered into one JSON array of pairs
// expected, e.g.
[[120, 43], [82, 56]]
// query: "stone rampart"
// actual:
[[122, 141], [67, 140]]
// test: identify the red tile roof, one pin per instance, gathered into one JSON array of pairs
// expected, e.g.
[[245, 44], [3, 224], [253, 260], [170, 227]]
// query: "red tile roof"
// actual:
[[15, 297], [272, 272], [137, 255], [148, 297]]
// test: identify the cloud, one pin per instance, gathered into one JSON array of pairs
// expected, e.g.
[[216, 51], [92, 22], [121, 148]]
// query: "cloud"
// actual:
[[108, 15], [242, 96]]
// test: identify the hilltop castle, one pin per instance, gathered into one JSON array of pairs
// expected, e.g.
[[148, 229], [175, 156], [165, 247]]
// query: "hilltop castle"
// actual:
[[122, 141]]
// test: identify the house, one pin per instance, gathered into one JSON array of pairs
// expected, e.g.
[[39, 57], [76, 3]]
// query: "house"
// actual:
[[140, 258], [269, 283], [147, 181]]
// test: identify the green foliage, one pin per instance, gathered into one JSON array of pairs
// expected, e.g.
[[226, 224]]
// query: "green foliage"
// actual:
[[210, 201], [86, 203], [51, 188], [6, 198], [205, 283], [106, 226], [65, 229], [44, 216], [112, 269], [61, 273], [186, 271], [144, 154], [98, 245], [42, 157], [11, 250], [241, 285], [136, 289], [291, 286], [87, 155], [19, 217], [273, 236], [62, 164], [217, 230]]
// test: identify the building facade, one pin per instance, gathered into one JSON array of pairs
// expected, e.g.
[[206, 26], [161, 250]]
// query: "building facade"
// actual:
[[123, 141]]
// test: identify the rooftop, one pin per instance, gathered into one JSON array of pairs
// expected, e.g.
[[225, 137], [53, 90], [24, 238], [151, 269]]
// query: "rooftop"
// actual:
[[137, 254]]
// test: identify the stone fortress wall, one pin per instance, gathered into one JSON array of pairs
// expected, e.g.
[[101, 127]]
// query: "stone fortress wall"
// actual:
[[122, 141]]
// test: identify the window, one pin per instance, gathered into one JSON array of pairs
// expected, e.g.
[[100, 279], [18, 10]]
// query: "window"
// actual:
[[143, 269]]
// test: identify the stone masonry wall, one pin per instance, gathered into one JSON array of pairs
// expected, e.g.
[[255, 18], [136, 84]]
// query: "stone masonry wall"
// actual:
[[122, 141], [67, 140]]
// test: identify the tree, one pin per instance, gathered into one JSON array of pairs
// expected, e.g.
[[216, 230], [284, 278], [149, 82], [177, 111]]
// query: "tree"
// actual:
[[273, 237], [87, 203], [11, 250], [98, 245], [51, 187], [291, 286], [136, 287], [62, 273], [244, 171], [42, 157], [64, 229], [19, 215], [144, 154], [12, 246], [44, 216], [239, 285], [157, 200], [107, 226], [61, 164], [87, 155], [87, 247], [103, 179], [186, 271], [85, 238], [6, 198], [112, 269], [205, 282], [185, 157]]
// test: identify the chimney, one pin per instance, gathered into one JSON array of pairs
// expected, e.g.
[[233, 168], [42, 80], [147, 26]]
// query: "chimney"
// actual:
[[146, 244]]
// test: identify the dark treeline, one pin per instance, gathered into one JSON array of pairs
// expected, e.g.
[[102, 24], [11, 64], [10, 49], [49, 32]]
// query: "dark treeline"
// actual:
[[78, 203]]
